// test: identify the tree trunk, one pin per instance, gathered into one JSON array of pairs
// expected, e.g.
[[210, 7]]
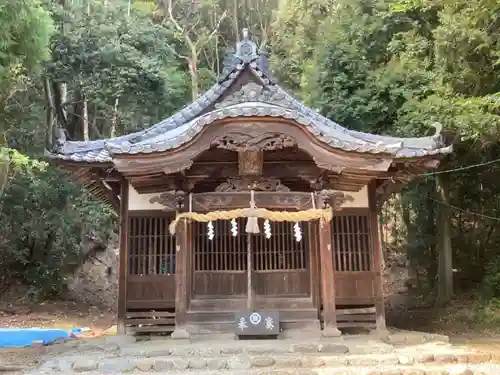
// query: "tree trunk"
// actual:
[[426, 221], [85, 118], [445, 264], [4, 165], [59, 100], [235, 19], [114, 119], [49, 113], [193, 71], [64, 98]]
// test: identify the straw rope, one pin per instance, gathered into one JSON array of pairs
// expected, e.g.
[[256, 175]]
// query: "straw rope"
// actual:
[[307, 215]]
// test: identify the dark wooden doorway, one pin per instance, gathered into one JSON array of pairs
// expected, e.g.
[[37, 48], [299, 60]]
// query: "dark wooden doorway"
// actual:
[[280, 264]]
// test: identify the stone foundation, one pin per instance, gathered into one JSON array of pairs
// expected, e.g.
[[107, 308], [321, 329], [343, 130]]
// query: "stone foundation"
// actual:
[[409, 353]]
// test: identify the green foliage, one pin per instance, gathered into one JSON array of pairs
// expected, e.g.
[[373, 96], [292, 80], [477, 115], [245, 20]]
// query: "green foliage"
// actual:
[[45, 220], [295, 30], [24, 38], [104, 55], [396, 67], [128, 76]]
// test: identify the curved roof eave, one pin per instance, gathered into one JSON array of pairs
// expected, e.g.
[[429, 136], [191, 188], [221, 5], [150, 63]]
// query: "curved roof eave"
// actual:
[[181, 117], [335, 137], [429, 143]]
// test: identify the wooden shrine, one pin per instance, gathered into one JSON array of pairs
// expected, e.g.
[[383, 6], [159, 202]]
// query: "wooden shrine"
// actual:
[[246, 200]]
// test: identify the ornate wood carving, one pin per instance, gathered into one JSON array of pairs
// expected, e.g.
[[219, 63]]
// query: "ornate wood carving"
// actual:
[[294, 201], [253, 92], [203, 202], [242, 184], [172, 200], [239, 141], [333, 199], [208, 202], [250, 162]]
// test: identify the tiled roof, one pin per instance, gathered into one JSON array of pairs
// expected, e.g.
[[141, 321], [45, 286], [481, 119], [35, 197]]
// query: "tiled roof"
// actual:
[[265, 99]]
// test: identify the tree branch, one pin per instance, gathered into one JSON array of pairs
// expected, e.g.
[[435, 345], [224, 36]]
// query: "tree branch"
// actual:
[[175, 52], [201, 42]]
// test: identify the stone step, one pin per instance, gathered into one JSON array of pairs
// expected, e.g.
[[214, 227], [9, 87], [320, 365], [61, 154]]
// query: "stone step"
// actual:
[[160, 362], [348, 355], [142, 368]]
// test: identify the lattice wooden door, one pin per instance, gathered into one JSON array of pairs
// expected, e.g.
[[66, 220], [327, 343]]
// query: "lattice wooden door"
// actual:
[[279, 263]]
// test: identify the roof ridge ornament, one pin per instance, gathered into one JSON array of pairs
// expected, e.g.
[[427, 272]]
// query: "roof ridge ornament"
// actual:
[[247, 54], [246, 49]]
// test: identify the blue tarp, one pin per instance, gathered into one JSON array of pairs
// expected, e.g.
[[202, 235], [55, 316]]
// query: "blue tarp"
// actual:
[[22, 337]]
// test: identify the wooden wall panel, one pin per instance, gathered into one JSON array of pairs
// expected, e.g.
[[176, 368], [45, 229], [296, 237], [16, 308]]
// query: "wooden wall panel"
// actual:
[[209, 284], [354, 288], [150, 291], [282, 283]]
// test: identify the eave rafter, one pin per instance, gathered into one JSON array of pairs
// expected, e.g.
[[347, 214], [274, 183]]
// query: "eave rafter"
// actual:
[[100, 181], [402, 172]]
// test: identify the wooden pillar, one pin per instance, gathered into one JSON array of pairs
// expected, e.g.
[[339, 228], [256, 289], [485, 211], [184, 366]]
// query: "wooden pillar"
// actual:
[[123, 260], [327, 281], [312, 246], [250, 294], [181, 280], [377, 257]]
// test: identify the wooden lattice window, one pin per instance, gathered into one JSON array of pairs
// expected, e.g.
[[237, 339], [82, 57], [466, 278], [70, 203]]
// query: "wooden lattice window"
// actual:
[[224, 252], [351, 242], [151, 247], [282, 251]]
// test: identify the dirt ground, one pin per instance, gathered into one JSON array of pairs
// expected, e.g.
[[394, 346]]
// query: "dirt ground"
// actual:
[[65, 315], [68, 315]]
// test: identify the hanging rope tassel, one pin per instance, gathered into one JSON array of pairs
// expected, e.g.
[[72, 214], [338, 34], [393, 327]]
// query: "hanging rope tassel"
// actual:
[[252, 222]]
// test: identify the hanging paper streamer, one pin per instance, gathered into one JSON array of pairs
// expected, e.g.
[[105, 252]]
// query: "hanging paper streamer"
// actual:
[[297, 232], [234, 227], [210, 232], [267, 229]]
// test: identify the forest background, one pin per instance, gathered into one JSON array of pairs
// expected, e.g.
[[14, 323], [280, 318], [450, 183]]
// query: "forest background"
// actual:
[[101, 68]]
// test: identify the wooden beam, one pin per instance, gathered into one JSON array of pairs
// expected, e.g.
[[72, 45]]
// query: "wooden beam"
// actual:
[[181, 281], [123, 259], [377, 258], [330, 328]]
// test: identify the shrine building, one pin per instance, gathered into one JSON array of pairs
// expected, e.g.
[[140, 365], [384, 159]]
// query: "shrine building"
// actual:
[[246, 200]]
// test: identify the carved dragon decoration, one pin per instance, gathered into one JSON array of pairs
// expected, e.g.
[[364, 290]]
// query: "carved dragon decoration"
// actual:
[[242, 184], [246, 142]]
